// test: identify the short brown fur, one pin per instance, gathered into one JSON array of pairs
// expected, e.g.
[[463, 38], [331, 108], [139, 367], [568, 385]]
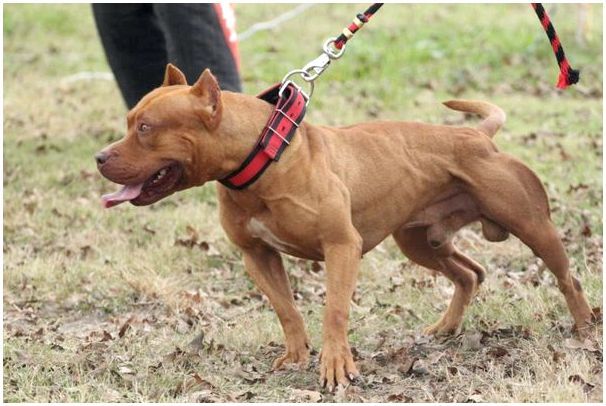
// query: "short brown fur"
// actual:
[[338, 192]]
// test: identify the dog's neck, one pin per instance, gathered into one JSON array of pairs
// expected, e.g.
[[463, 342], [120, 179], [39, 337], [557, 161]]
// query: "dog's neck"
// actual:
[[244, 118]]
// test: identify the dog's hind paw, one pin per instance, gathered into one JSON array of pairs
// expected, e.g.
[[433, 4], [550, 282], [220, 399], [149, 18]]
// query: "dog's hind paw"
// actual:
[[442, 328]]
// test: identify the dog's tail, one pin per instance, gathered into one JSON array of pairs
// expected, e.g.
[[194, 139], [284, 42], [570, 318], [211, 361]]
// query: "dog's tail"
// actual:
[[493, 116]]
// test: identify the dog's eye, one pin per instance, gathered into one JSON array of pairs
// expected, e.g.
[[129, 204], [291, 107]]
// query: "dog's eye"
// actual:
[[143, 128]]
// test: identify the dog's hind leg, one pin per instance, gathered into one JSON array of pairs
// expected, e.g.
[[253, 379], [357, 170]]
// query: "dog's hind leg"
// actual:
[[510, 194], [465, 273]]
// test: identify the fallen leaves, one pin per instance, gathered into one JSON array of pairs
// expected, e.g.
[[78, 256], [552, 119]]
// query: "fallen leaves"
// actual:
[[556, 356], [498, 352], [586, 344], [303, 395], [472, 341], [578, 379], [125, 327], [399, 398], [250, 374], [197, 344], [475, 398], [192, 239], [204, 396], [194, 382]]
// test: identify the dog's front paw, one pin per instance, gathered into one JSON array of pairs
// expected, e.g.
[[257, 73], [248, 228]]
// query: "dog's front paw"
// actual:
[[337, 366], [294, 355]]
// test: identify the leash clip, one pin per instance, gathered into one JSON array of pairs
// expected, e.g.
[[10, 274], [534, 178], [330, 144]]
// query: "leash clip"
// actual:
[[313, 69], [317, 66]]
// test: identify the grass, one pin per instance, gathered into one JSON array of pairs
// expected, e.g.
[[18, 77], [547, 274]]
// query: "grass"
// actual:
[[152, 304]]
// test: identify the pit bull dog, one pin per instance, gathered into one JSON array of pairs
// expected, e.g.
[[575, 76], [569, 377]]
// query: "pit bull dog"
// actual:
[[334, 195]]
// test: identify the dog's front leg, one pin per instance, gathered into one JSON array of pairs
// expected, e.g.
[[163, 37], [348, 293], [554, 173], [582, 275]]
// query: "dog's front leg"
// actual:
[[342, 262], [264, 265]]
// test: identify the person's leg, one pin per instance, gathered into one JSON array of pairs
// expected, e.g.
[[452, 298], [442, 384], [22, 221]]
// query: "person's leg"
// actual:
[[195, 40], [134, 45]]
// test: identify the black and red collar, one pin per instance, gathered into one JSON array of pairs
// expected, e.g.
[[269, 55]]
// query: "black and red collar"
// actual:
[[290, 104]]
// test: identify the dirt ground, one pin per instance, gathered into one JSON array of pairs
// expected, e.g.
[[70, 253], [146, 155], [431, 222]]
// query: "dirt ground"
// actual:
[[153, 304]]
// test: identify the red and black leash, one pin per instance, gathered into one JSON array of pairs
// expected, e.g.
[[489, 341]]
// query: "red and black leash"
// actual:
[[357, 23], [568, 76], [291, 101]]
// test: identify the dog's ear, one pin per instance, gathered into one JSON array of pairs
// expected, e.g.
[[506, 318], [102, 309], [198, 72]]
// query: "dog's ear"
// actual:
[[173, 76], [207, 90]]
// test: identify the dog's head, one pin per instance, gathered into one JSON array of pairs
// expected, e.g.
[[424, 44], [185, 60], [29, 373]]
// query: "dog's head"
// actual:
[[166, 147]]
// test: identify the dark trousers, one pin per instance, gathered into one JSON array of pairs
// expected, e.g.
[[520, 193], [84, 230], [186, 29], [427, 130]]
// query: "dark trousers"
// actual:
[[140, 39]]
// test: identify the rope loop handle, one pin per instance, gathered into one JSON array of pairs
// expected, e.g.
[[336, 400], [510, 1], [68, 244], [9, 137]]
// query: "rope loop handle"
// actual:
[[568, 76]]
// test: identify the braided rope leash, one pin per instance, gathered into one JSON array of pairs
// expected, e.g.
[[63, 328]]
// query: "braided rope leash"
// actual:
[[290, 105], [357, 23], [568, 76], [332, 49]]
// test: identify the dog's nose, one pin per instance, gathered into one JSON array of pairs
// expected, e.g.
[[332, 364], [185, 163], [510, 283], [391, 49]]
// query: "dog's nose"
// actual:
[[101, 157]]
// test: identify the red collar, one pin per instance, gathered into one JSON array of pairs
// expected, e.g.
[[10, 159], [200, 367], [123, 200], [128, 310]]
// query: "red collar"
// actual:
[[289, 111]]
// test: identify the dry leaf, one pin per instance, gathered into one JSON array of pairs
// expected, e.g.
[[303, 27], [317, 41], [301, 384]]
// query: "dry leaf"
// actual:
[[125, 327], [197, 343], [250, 377], [407, 366], [389, 378], [399, 398], [434, 357], [498, 352], [192, 232], [240, 396], [204, 396], [106, 336], [306, 395], [148, 229], [202, 382], [587, 387], [472, 341], [124, 370], [575, 344], [556, 355], [475, 398], [174, 355]]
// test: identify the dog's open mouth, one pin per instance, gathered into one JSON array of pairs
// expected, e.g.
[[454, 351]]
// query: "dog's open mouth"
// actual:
[[159, 185]]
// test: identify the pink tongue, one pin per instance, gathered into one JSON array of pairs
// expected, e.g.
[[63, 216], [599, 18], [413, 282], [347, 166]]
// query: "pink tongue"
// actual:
[[128, 192]]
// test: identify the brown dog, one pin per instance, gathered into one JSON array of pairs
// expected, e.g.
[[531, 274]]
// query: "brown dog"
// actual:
[[334, 195]]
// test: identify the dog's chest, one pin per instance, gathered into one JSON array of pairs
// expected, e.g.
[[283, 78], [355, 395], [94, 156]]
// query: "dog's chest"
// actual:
[[260, 229]]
